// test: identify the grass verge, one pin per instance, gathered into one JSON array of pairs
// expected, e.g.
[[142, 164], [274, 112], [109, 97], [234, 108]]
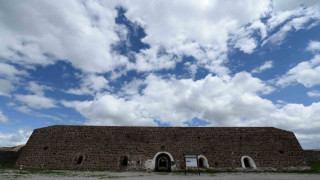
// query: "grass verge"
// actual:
[[315, 170], [8, 165]]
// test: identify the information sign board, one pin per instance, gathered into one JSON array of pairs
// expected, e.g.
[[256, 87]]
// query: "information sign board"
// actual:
[[191, 162]]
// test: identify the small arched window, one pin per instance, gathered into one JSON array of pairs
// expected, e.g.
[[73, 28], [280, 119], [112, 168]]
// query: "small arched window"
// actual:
[[124, 161]]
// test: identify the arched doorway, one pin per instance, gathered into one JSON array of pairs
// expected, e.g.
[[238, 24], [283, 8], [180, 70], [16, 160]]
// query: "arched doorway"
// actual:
[[163, 163], [203, 162], [247, 162]]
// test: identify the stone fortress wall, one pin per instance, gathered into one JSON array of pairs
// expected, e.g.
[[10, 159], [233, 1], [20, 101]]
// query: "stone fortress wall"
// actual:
[[139, 148], [10, 154], [313, 155]]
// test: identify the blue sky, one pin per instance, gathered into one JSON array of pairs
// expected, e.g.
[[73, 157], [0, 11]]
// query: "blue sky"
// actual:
[[160, 63]]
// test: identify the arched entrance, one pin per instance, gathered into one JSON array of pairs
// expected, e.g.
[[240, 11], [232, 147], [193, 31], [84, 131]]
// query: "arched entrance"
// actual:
[[247, 162], [163, 163], [203, 162]]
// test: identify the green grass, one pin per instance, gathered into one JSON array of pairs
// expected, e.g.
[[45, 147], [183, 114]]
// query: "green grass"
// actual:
[[316, 166], [315, 170], [8, 165]]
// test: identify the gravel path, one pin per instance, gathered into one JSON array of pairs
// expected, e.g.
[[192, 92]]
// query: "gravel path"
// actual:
[[86, 175]]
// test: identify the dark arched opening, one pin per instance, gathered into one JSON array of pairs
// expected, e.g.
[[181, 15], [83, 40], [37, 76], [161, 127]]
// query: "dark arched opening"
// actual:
[[163, 163], [247, 164], [79, 159], [201, 163], [124, 161]]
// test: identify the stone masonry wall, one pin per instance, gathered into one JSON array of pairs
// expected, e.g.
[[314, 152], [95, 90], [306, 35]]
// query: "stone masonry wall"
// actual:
[[103, 148], [313, 155], [7, 156]]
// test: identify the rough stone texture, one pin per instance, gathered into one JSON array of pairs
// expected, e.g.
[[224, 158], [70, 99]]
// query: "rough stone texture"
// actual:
[[313, 155], [8, 155], [103, 147]]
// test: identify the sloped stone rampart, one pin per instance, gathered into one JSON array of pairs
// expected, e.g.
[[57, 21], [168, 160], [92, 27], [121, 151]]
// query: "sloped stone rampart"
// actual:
[[104, 147]]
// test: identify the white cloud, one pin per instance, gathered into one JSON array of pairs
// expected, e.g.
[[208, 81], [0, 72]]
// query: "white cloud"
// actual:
[[150, 60], [199, 29], [246, 45], [6, 87], [266, 65], [36, 101], [3, 118], [91, 84], [15, 139], [314, 46], [243, 38], [313, 93], [132, 88], [83, 32], [26, 110], [36, 88], [285, 5], [218, 100], [10, 72], [74, 31], [296, 19], [306, 73], [109, 110], [279, 18]]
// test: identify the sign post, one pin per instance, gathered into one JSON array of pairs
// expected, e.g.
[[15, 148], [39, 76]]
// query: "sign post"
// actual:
[[191, 161]]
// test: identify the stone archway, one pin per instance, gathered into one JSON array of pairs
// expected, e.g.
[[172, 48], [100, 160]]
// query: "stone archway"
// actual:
[[203, 161], [163, 163], [247, 162]]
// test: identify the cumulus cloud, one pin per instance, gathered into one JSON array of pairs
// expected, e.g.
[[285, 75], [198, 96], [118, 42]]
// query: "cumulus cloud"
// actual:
[[306, 73], [266, 65], [314, 46], [37, 88], [3, 118], [313, 93], [14, 139], [91, 84], [199, 29], [218, 100], [109, 110], [78, 32], [288, 21], [36, 101], [243, 38], [286, 5], [6, 88], [10, 72], [83, 33], [26, 110]]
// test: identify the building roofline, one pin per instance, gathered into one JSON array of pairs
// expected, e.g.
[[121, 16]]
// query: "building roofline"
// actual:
[[184, 127]]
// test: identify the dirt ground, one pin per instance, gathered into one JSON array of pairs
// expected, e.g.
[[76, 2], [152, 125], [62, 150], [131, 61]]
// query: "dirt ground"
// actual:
[[86, 175]]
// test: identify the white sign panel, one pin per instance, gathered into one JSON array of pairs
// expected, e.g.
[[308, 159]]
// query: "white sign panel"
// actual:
[[191, 162]]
